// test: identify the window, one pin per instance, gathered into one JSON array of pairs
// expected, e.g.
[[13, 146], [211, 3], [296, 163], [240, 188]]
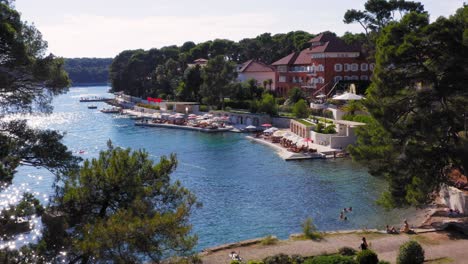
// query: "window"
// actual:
[[371, 66], [347, 67], [354, 67], [354, 78], [364, 77], [320, 80], [282, 78], [346, 78], [364, 67], [337, 78], [313, 80], [282, 68], [320, 68], [338, 67]]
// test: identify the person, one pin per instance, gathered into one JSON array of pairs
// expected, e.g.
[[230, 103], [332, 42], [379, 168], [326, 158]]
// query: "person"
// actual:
[[341, 215], [345, 218], [234, 256], [391, 230], [364, 245], [345, 210], [350, 209], [405, 228]]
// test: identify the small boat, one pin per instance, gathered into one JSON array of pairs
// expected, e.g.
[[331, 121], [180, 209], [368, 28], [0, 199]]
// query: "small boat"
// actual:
[[92, 106]]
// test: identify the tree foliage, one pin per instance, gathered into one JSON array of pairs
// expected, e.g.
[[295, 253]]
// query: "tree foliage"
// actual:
[[217, 75], [417, 100], [301, 109], [88, 70], [123, 208]]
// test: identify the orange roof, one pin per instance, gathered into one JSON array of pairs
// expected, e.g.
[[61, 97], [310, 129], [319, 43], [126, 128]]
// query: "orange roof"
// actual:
[[255, 66]]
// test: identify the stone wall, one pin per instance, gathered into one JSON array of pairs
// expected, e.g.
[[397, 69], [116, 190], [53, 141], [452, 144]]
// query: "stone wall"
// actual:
[[280, 122]]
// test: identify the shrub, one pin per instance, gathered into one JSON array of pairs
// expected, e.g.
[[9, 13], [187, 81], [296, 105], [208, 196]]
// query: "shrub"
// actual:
[[347, 251], [333, 259], [269, 240], [367, 257], [150, 106], [319, 127], [255, 262], [411, 252], [285, 108], [328, 114], [310, 230], [203, 108], [297, 259], [170, 107], [280, 100], [235, 262], [384, 262], [277, 259], [254, 105], [300, 109], [329, 129]]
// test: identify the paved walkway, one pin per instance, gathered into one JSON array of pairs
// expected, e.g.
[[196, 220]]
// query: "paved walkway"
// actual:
[[436, 245]]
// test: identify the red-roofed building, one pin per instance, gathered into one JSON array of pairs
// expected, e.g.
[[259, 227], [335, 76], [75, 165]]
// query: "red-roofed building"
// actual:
[[256, 70], [317, 69]]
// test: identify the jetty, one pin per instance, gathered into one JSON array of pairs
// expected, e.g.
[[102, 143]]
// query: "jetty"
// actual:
[[94, 99], [165, 125]]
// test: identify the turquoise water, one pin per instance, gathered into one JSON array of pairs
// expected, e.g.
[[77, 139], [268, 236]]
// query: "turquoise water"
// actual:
[[246, 189]]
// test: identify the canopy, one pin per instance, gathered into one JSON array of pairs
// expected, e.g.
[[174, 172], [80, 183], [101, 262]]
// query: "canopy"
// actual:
[[348, 96]]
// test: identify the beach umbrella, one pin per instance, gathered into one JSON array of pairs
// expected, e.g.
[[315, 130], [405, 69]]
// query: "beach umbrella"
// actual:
[[273, 129], [348, 96], [268, 130], [192, 115], [321, 96], [307, 140], [251, 127], [266, 125]]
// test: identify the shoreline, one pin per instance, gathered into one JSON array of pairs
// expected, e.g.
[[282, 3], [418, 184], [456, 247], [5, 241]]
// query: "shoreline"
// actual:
[[421, 217]]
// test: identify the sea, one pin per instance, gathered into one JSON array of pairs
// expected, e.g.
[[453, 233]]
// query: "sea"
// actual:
[[246, 189]]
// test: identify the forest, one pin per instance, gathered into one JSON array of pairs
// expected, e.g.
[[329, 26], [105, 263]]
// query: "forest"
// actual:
[[88, 70]]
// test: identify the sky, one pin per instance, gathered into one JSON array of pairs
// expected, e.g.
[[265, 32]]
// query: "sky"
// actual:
[[103, 28]]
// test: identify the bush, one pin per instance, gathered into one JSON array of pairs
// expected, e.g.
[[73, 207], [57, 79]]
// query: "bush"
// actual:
[[203, 108], [347, 251], [235, 262], [285, 108], [333, 259], [150, 106], [277, 259], [255, 262], [358, 118], [319, 127], [238, 104], [328, 114], [301, 109], [384, 262], [254, 105], [367, 257], [170, 107], [297, 259], [269, 240], [411, 252], [280, 100], [310, 230], [329, 130]]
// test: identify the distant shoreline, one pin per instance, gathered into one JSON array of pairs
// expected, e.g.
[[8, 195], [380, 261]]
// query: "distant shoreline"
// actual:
[[88, 84]]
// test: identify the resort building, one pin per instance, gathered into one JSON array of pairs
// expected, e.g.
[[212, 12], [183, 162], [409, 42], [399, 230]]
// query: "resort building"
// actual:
[[318, 68], [201, 62], [258, 71]]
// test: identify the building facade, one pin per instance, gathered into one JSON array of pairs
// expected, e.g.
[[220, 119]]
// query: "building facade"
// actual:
[[258, 71], [318, 68]]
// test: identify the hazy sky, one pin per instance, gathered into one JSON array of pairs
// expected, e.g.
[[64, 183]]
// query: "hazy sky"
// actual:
[[103, 28]]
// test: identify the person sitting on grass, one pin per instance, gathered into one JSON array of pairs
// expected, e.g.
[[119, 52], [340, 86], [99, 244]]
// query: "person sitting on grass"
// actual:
[[405, 228], [364, 245], [391, 230]]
